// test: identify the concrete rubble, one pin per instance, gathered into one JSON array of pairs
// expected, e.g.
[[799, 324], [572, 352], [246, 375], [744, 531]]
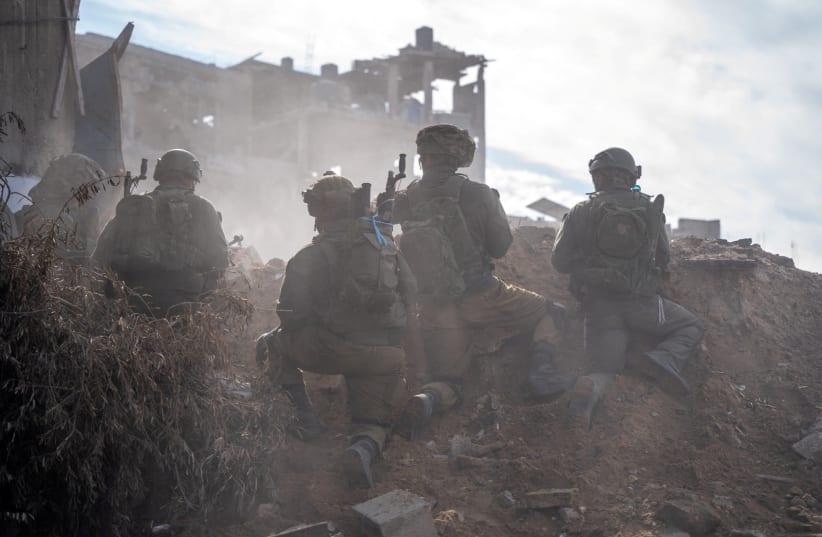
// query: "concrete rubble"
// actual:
[[548, 499], [810, 447], [688, 515], [320, 529], [398, 513]]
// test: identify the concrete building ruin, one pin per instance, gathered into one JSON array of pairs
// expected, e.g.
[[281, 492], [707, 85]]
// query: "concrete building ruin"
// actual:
[[687, 227], [263, 131], [692, 227]]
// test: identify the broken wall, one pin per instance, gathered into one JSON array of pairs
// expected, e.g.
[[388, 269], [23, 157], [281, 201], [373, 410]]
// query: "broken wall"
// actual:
[[32, 43]]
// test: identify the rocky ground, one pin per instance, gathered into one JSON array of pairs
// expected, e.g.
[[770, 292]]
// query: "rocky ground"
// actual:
[[719, 462]]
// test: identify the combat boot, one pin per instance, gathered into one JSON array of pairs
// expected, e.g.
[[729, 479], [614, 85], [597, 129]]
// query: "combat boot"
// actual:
[[307, 425], [544, 380], [665, 373], [417, 415], [357, 460], [584, 400]]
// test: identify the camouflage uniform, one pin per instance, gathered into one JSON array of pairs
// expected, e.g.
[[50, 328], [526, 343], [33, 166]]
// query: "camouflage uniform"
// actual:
[[614, 315], [55, 193], [343, 306], [489, 310], [370, 358], [200, 252]]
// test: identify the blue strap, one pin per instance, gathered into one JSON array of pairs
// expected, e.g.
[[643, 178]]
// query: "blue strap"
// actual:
[[375, 224]]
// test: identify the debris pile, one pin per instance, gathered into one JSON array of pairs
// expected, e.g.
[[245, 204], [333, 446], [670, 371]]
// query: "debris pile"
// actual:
[[108, 419], [721, 461]]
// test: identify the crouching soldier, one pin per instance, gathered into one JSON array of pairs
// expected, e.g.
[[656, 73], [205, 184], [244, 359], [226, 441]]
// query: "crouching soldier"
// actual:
[[53, 198], [167, 245], [452, 228], [343, 311], [615, 247]]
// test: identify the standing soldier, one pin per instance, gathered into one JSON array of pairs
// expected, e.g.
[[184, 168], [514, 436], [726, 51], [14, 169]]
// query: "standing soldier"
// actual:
[[343, 307], [167, 245], [452, 228], [615, 247]]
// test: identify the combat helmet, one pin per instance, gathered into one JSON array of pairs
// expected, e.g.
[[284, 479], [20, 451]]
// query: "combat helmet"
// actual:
[[330, 194], [64, 174], [177, 162], [615, 157], [447, 140]]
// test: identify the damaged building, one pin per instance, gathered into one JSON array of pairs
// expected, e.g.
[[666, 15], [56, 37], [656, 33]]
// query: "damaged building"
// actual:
[[686, 227], [263, 131]]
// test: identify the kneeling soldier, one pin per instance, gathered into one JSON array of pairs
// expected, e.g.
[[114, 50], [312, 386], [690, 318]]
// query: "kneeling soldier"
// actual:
[[343, 311], [452, 228], [615, 248]]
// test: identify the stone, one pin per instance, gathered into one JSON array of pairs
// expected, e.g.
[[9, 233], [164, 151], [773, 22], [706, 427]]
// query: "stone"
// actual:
[[747, 533], [548, 498], [398, 513], [461, 445], [810, 447], [689, 515], [320, 529], [674, 533], [569, 515], [725, 503], [505, 499]]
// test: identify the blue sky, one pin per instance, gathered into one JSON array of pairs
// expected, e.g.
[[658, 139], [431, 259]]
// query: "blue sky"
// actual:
[[721, 102]]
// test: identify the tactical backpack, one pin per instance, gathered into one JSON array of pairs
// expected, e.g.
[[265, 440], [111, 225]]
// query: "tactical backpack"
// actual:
[[153, 232], [436, 241], [625, 233], [367, 266]]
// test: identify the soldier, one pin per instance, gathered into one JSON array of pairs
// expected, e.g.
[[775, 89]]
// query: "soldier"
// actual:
[[53, 198], [167, 245], [343, 310], [452, 228], [615, 247]]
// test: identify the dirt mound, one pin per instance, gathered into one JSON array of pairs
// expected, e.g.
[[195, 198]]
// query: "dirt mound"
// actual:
[[726, 449]]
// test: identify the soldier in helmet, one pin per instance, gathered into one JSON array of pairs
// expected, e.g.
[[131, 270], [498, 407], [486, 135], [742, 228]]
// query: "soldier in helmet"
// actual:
[[343, 311], [452, 229], [615, 248], [168, 245], [53, 198]]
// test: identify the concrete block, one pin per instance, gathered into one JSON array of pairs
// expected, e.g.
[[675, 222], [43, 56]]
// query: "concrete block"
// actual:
[[398, 513], [810, 447]]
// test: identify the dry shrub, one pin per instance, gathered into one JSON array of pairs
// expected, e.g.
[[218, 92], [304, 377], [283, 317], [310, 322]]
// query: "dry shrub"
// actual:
[[108, 417]]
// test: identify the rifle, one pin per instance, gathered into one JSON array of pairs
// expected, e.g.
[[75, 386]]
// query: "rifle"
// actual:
[[385, 201], [361, 201], [129, 183]]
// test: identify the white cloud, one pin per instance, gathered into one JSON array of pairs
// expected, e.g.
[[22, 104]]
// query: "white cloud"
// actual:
[[719, 101]]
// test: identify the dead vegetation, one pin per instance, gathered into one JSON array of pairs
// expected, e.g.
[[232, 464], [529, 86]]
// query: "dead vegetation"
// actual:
[[109, 418]]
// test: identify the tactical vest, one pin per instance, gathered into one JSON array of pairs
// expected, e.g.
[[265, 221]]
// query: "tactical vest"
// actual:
[[436, 240], [624, 231], [154, 232], [366, 305]]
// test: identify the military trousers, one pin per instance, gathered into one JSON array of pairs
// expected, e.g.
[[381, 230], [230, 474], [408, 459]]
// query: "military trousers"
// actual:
[[611, 324], [374, 376], [454, 331]]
